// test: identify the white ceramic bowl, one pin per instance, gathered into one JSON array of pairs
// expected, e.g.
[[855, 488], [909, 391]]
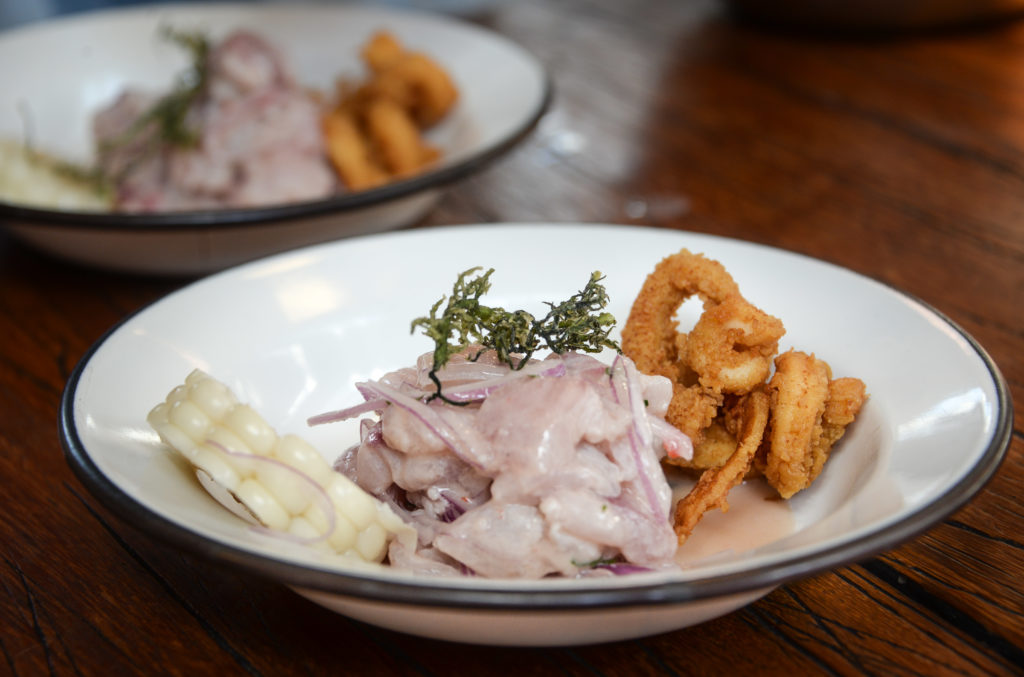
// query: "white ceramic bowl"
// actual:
[[70, 67], [291, 334]]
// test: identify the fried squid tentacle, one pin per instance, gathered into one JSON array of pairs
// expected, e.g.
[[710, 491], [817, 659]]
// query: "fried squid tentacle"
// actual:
[[714, 484]]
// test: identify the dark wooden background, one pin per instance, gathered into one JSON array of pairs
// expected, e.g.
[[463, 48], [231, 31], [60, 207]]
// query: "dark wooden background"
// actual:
[[900, 157]]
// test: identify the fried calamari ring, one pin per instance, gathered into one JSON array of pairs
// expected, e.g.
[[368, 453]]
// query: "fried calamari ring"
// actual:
[[417, 83], [650, 336], [397, 139], [732, 345], [799, 390], [350, 154], [845, 398], [712, 489], [382, 50]]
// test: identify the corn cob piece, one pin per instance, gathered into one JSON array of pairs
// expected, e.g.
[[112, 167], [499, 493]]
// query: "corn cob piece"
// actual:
[[279, 482]]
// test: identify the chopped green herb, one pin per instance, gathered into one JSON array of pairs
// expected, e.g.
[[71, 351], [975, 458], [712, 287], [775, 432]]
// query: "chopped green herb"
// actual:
[[89, 178], [578, 323], [167, 120], [597, 562], [171, 111]]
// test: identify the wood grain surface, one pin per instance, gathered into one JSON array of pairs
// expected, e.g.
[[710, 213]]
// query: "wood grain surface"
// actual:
[[897, 156]]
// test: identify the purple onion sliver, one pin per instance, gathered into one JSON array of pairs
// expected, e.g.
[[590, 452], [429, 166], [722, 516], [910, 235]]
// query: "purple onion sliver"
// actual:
[[345, 414], [422, 413], [481, 390], [636, 439], [454, 510]]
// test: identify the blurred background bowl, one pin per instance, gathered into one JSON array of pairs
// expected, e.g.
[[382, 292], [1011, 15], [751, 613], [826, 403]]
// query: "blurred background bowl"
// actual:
[[70, 67]]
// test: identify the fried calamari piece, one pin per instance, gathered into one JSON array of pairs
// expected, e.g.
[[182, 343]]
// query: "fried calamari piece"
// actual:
[[712, 489], [810, 412], [350, 153], [846, 396], [382, 50], [411, 79], [732, 345], [691, 410], [651, 339], [714, 449], [397, 139], [799, 390], [419, 85]]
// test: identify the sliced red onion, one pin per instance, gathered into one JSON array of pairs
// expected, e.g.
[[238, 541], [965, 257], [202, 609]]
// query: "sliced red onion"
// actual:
[[467, 372], [347, 413], [631, 386], [620, 378], [481, 390], [624, 568], [428, 417], [455, 507]]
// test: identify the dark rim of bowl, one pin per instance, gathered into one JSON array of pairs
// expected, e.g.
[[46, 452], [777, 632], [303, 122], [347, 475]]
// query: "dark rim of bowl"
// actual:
[[434, 593], [340, 203]]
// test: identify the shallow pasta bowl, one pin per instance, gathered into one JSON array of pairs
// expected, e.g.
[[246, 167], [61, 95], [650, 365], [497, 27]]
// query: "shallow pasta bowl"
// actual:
[[292, 333], [70, 67]]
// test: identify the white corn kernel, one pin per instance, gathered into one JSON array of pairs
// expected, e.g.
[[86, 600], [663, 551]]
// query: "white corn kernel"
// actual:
[[292, 490], [301, 527], [251, 428], [344, 535], [267, 510], [168, 432], [371, 543], [212, 396], [357, 505], [241, 457], [190, 419], [304, 457], [195, 376], [179, 394], [213, 462], [316, 516]]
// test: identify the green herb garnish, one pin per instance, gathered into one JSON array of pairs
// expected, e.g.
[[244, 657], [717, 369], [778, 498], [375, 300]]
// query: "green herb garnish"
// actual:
[[171, 111], [579, 323], [601, 562], [167, 120], [89, 178]]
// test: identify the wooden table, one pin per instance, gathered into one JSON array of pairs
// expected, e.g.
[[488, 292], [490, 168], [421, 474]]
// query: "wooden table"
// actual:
[[901, 158]]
